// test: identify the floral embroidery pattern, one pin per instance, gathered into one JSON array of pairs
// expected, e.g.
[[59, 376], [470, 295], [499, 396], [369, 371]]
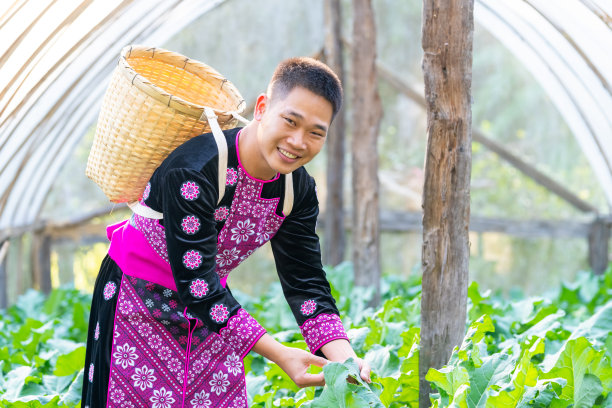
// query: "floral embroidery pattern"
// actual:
[[109, 290], [143, 378], [198, 288], [162, 398], [232, 177], [233, 364], [125, 356], [242, 231], [308, 307], [190, 224], [190, 190], [192, 259], [91, 372], [241, 332], [153, 232], [250, 222], [221, 213], [201, 400], [219, 313], [227, 256], [147, 191], [97, 331], [219, 383], [321, 330]]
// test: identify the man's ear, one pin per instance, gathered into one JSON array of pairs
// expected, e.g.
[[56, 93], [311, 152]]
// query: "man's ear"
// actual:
[[260, 106]]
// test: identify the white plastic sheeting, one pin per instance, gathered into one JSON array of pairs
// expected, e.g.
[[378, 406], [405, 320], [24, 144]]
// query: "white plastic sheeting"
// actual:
[[56, 56], [55, 60]]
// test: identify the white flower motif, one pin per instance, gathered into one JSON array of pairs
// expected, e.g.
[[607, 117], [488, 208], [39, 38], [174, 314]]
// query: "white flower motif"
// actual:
[[227, 256], [109, 290], [201, 400], [164, 353], [117, 395], [149, 303], [167, 292], [143, 378], [155, 341], [135, 318], [165, 307], [127, 404], [162, 398], [233, 364], [145, 330], [126, 307], [125, 356], [219, 383], [174, 365], [262, 237], [242, 231], [239, 402]]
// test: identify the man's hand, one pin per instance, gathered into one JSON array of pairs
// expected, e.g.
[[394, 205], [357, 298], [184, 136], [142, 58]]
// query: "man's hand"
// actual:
[[340, 350], [293, 361], [296, 362]]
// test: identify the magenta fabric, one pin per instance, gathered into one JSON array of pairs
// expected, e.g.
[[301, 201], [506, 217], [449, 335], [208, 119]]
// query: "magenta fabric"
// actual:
[[151, 366], [131, 251], [321, 330]]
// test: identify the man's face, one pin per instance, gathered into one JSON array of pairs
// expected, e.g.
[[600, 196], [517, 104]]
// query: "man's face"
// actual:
[[292, 130]]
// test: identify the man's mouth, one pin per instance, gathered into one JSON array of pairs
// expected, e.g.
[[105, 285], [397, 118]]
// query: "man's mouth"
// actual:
[[287, 154]]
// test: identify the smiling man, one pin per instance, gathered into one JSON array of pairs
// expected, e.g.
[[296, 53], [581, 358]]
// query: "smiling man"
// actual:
[[165, 329]]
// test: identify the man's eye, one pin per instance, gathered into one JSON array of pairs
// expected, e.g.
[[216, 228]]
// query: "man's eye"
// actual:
[[290, 121]]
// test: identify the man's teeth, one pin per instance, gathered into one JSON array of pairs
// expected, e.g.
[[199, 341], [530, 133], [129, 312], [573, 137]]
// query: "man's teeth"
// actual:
[[286, 153]]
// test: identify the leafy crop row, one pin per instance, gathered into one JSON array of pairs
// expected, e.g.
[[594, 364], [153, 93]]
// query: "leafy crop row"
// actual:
[[549, 351]]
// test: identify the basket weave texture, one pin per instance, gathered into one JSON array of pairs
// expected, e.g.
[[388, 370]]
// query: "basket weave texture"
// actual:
[[153, 104]]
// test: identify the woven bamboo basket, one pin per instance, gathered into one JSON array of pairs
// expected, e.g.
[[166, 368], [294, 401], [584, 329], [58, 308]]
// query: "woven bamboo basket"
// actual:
[[154, 103]]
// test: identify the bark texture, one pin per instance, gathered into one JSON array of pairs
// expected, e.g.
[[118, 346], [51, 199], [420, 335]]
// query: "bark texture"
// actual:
[[448, 27], [367, 112], [334, 242]]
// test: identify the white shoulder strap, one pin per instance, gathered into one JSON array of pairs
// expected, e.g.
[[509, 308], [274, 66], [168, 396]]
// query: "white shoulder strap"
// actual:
[[221, 147], [209, 115], [288, 201]]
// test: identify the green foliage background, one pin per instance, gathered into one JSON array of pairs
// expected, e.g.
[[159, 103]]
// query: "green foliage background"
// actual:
[[549, 351]]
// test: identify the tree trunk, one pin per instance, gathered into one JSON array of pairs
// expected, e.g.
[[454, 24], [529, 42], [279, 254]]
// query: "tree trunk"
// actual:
[[3, 278], [41, 262], [448, 27], [334, 207], [599, 238], [367, 112]]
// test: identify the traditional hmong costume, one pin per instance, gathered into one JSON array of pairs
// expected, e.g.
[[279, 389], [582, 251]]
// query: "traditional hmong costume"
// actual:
[[165, 331]]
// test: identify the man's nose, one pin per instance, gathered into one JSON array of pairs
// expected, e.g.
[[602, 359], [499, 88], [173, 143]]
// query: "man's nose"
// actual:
[[297, 139]]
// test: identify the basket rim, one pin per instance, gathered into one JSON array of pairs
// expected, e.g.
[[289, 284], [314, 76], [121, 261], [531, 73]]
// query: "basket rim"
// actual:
[[172, 101]]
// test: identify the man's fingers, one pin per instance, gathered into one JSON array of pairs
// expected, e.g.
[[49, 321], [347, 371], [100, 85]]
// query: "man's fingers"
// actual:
[[365, 373], [318, 361], [311, 380]]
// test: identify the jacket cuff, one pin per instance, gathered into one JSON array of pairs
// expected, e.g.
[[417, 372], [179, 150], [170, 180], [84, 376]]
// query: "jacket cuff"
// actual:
[[322, 329], [242, 332]]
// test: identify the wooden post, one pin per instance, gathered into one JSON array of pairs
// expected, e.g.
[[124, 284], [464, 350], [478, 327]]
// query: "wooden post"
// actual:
[[334, 240], [599, 238], [367, 112], [3, 278], [448, 26], [41, 261]]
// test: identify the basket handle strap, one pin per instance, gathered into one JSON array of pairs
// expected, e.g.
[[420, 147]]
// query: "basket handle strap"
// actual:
[[221, 147], [288, 201], [209, 114]]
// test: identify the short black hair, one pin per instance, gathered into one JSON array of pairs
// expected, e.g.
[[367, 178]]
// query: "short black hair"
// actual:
[[310, 74]]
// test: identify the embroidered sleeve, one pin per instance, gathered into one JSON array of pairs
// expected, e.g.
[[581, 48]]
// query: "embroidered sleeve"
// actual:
[[188, 207], [298, 261]]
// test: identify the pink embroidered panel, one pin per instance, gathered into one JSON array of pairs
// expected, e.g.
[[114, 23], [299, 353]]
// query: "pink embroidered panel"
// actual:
[[162, 357], [252, 221], [322, 329]]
